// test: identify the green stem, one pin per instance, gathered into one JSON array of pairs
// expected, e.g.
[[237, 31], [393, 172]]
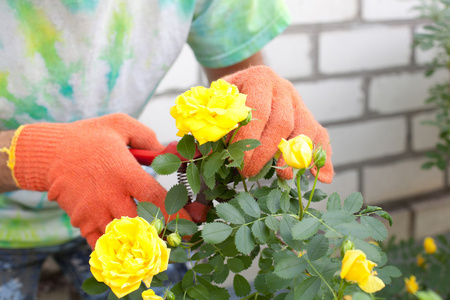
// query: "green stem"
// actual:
[[323, 279], [313, 189], [255, 294], [299, 190], [342, 287], [234, 134], [244, 183]]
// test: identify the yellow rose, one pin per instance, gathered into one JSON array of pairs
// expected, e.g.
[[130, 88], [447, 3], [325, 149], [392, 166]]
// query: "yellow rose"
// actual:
[[297, 152], [150, 295], [411, 285], [420, 261], [129, 252], [429, 245], [209, 114], [356, 268]]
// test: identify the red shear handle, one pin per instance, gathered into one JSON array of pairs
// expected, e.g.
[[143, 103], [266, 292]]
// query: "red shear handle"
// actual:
[[146, 157]]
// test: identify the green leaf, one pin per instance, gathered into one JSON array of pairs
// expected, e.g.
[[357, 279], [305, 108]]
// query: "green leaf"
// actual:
[[219, 293], [188, 279], [205, 148], [386, 216], [235, 264], [241, 286], [203, 268], [184, 227], [360, 296], [370, 209], [199, 292], [377, 229], [113, 296], [333, 218], [248, 204], [193, 177], [260, 284], [244, 240], [353, 229], [213, 164], [273, 223], [222, 275], [236, 158], [373, 252], [318, 195], [230, 213], [93, 287], [176, 198], [244, 145], [305, 229], [273, 201], [285, 201], [308, 288], [260, 231], [290, 267], [186, 146], [428, 295], [216, 232], [317, 248], [334, 202], [148, 211], [286, 225], [178, 255], [276, 283], [353, 202], [166, 164]]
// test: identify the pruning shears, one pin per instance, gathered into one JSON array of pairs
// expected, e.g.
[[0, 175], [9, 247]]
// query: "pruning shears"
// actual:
[[199, 206]]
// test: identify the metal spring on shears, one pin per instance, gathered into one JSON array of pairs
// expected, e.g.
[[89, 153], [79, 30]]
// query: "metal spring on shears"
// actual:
[[182, 178]]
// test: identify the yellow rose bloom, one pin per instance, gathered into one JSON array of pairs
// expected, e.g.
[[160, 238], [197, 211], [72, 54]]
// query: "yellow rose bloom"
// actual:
[[129, 252], [209, 114], [420, 261], [297, 152], [150, 295], [356, 268], [411, 285], [429, 245]]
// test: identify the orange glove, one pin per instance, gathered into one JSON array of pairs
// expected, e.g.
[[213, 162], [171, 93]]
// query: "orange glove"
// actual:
[[87, 168], [279, 113]]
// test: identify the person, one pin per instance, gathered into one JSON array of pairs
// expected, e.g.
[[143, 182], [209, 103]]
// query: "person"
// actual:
[[74, 75]]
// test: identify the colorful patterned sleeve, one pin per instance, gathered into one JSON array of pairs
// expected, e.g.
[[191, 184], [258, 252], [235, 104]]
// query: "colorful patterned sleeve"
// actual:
[[225, 32]]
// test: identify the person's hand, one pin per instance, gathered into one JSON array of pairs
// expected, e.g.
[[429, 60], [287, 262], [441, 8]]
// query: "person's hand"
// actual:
[[87, 168], [279, 113]]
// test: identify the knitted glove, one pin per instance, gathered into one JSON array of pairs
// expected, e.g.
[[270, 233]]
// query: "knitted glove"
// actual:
[[87, 168], [279, 113]]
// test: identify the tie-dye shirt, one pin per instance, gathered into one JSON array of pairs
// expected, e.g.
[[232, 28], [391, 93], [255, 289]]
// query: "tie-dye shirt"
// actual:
[[66, 60]]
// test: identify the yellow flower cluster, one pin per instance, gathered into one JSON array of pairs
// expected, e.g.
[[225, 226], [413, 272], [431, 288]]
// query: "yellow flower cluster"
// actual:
[[129, 252], [411, 285], [429, 245], [150, 295], [356, 268], [209, 114], [297, 152]]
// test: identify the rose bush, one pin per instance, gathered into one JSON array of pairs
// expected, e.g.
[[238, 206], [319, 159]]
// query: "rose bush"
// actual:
[[298, 248]]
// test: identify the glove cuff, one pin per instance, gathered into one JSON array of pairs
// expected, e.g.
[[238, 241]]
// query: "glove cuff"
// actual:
[[33, 148]]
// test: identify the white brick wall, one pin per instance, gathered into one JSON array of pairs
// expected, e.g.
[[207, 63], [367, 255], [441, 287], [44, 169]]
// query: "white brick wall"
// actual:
[[424, 137], [401, 224], [290, 55], [364, 48], [333, 99], [354, 143], [431, 217], [379, 10], [322, 11], [401, 92], [400, 179]]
